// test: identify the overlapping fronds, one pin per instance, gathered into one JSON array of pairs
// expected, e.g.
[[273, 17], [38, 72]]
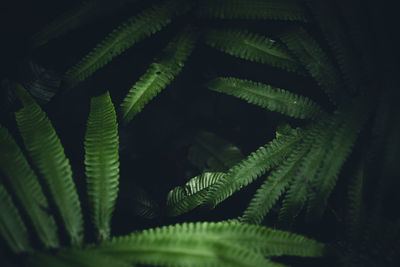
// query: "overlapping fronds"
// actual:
[[158, 76], [86, 12], [209, 244], [253, 47], [47, 153], [135, 29], [268, 97], [102, 162], [255, 165], [252, 9], [313, 58], [351, 119], [319, 135], [324, 12], [212, 153], [274, 186], [12, 228], [27, 189], [182, 199]]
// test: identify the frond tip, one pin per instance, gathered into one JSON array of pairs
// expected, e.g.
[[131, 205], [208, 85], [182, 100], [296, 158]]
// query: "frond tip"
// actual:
[[102, 162]]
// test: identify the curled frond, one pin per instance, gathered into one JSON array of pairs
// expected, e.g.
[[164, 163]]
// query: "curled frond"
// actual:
[[47, 153], [182, 199], [27, 189], [134, 30], [268, 97], [255, 165], [313, 58], [252, 9], [102, 162], [12, 228], [158, 76], [212, 153], [253, 47]]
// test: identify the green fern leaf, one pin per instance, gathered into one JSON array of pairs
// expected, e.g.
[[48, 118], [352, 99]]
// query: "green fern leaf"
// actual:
[[209, 244], [212, 153], [185, 198], [27, 189], [251, 168], [266, 96], [102, 162], [12, 228], [134, 30], [253, 47], [273, 187], [316, 62], [319, 136], [252, 9], [158, 76], [352, 117], [47, 153], [338, 41], [145, 206]]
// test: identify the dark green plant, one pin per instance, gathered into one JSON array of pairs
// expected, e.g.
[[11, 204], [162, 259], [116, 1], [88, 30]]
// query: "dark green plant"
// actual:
[[303, 164]]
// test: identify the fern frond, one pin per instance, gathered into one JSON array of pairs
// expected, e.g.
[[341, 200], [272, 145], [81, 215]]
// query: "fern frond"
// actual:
[[310, 54], [182, 199], [334, 34], [86, 12], [213, 153], [47, 153], [209, 244], [134, 30], [12, 228], [255, 165], [252, 9], [253, 47], [102, 162], [352, 118], [145, 205], [319, 136], [268, 97], [27, 189], [273, 187], [158, 76]]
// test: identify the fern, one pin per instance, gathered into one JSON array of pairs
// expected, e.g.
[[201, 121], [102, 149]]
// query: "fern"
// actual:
[[102, 162], [274, 99], [135, 29], [47, 154], [253, 9], [185, 198], [12, 228], [158, 76], [316, 62], [253, 47], [26, 187]]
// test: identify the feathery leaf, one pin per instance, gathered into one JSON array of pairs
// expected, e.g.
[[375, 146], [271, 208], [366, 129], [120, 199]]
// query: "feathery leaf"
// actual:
[[102, 162], [266, 96], [134, 30], [27, 189], [158, 76], [47, 153], [253, 47]]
